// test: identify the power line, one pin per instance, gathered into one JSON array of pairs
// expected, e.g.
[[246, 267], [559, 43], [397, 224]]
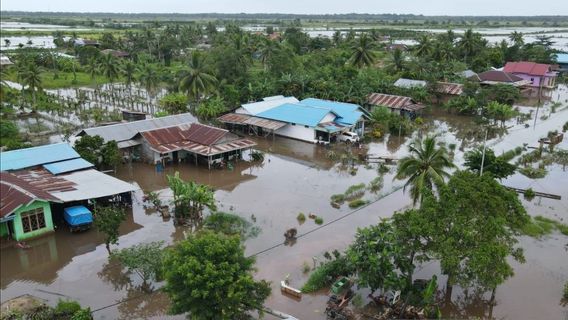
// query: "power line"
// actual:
[[273, 246]]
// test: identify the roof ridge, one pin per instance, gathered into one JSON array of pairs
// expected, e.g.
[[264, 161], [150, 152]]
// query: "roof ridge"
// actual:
[[138, 121]]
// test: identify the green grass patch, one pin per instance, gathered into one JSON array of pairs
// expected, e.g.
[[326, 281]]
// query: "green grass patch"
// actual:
[[325, 274], [318, 220], [540, 226], [301, 217], [357, 203], [338, 198]]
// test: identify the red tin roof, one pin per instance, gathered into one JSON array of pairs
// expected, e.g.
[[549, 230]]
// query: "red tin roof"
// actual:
[[525, 67], [16, 192]]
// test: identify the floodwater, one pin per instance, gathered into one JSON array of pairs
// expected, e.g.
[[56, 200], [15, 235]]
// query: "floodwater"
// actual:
[[299, 177]]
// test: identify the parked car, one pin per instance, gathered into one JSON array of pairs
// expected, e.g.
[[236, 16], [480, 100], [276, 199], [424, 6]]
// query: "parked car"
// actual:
[[78, 218], [348, 136]]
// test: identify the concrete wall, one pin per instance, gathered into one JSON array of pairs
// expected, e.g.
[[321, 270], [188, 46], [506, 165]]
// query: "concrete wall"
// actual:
[[17, 222], [297, 132]]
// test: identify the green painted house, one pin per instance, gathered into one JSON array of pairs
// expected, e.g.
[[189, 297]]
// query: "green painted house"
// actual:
[[25, 210]]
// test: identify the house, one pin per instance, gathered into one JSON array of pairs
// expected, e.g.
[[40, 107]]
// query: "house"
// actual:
[[5, 61], [25, 210], [116, 53], [192, 142], [539, 74], [493, 77], [311, 120], [398, 104], [397, 46], [410, 84], [86, 43], [562, 61], [124, 133], [51, 177]]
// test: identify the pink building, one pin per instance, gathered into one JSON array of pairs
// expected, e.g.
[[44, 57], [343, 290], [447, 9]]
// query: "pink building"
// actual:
[[538, 74]]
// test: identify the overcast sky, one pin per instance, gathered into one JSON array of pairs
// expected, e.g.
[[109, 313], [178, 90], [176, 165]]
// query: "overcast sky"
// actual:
[[426, 7]]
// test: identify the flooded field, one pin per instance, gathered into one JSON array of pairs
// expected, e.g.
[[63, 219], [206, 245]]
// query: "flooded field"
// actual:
[[299, 177]]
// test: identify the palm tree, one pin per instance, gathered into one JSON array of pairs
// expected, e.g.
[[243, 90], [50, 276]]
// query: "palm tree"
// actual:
[[195, 81], [109, 68], [267, 50], [424, 167], [128, 69], [337, 38], [93, 70], [517, 38], [468, 43], [150, 80], [30, 77], [424, 46], [362, 52], [396, 61]]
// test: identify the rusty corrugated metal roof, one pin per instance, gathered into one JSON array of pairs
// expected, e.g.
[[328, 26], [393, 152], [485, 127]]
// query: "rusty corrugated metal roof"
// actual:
[[16, 192], [195, 138], [394, 102], [238, 118], [198, 133], [450, 88], [44, 180]]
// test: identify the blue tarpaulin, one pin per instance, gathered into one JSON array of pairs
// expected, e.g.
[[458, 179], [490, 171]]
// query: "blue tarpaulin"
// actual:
[[78, 215]]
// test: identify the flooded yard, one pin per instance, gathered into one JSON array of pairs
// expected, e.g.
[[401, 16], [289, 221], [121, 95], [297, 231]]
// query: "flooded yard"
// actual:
[[299, 177]]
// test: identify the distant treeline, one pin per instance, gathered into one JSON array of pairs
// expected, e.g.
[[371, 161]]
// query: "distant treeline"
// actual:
[[363, 17]]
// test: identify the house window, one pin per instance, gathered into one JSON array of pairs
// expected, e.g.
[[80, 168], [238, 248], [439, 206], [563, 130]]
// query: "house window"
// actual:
[[33, 220]]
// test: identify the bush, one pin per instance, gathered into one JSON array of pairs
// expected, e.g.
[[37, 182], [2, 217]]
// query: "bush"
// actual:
[[301, 217], [338, 198], [67, 307], [325, 274], [318, 220], [533, 173], [529, 194], [355, 191], [566, 290], [357, 203]]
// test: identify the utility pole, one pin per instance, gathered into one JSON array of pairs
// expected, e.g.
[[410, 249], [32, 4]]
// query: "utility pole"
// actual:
[[483, 153]]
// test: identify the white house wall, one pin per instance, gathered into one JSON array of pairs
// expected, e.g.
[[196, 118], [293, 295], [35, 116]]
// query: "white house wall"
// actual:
[[299, 132]]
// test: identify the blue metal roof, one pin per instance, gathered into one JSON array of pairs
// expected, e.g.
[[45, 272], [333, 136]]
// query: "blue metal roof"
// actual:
[[68, 166], [562, 58], [31, 157], [348, 112], [296, 113]]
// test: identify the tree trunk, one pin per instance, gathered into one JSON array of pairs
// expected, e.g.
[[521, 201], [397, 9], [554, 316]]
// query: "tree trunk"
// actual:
[[107, 245], [449, 289]]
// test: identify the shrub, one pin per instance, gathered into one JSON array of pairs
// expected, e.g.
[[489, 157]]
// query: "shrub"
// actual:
[[376, 184], [318, 220], [338, 198], [537, 228], [68, 307], [355, 191], [257, 156], [357, 203], [306, 267], [533, 173], [301, 217], [529, 194], [325, 274], [566, 290]]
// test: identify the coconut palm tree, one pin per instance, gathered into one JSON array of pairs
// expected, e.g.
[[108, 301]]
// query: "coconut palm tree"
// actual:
[[469, 43], [362, 52], [267, 50], [93, 69], [196, 81], [31, 80], [109, 67], [150, 79], [128, 69], [517, 38], [424, 46], [396, 61], [424, 167]]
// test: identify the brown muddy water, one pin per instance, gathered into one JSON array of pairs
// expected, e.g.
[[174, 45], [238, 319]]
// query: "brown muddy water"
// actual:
[[298, 177]]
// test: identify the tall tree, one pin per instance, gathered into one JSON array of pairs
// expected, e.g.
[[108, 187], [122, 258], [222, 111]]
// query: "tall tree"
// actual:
[[362, 54], [424, 167], [29, 74], [267, 50], [424, 46], [498, 167], [209, 277], [475, 223], [108, 220], [195, 80], [468, 44], [396, 61]]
